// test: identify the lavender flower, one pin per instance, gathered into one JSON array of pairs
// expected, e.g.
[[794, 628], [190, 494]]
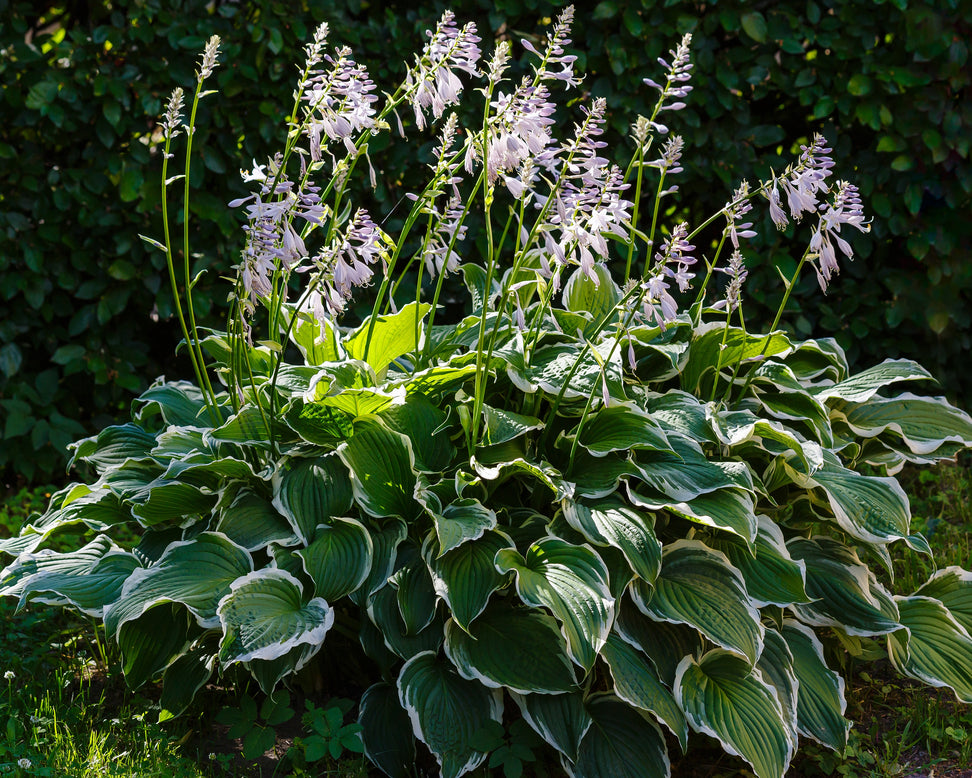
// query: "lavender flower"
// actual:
[[432, 82], [802, 182], [671, 154], [734, 210], [554, 54], [671, 262], [845, 209], [341, 102], [737, 273], [518, 130], [439, 257], [676, 84]]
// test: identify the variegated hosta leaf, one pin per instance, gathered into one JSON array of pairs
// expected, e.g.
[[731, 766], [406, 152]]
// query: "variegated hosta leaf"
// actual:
[[952, 587], [724, 697], [596, 477], [622, 742], [772, 576], [252, 522], [183, 678], [15, 577], [869, 508], [698, 586], [386, 731], [933, 647], [680, 412], [264, 617], [732, 510], [195, 572], [560, 719], [424, 424], [112, 446], [340, 558], [636, 682], [446, 710], [542, 472], [798, 408], [862, 387], [596, 294], [89, 592], [845, 592], [572, 582], [168, 502], [362, 401], [248, 427], [821, 358], [466, 576], [611, 522], [516, 648], [503, 425], [382, 469], [664, 643], [925, 424], [713, 349], [415, 595], [776, 666], [820, 697], [385, 542], [686, 473], [622, 427], [308, 492], [384, 613], [318, 341], [180, 403], [152, 641], [460, 521], [386, 338], [551, 365], [268, 673], [740, 426]]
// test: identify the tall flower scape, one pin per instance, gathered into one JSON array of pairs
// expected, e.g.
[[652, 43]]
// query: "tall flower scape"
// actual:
[[595, 502]]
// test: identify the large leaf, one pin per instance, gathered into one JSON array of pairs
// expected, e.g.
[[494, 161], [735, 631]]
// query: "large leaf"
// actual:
[[952, 587], [686, 472], [264, 617], [89, 590], [736, 427], [152, 641], [308, 492], [15, 578], [723, 697], [621, 427], [572, 582], [503, 425], [664, 643], [933, 647], [392, 336], [384, 612], [515, 648], [466, 576], [183, 678], [698, 586], [714, 348], [415, 595], [731, 510], [382, 468], [446, 710], [592, 292], [621, 742], [386, 731], [870, 508], [560, 719], [611, 522], [424, 424], [195, 572], [112, 446], [636, 682], [251, 521], [845, 592], [820, 697], [459, 522], [925, 424], [339, 559], [863, 386], [181, 403]]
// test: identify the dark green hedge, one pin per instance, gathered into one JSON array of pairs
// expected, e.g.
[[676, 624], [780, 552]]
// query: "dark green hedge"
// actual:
[[86, 318]]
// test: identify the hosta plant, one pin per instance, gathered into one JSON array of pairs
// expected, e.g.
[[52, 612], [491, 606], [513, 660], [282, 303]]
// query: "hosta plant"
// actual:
[[595, 501]]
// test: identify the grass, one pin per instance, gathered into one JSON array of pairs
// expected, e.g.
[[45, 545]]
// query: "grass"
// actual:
[[66, 711]]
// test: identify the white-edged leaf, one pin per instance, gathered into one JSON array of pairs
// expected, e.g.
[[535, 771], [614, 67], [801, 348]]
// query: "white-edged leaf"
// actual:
[[687, 473], [698, 586], [560, 719], [503, 425], [621, 427], [572, 582], [732, 510], [264, 617], [382, 469], [309, 492], [466, 576], [863, 386], [339, 559], [925, 424], [386, 731], [713, 348], [952, 587], [516, 648], [724, 697], [183, 678], [384, 612], [446, 710], [89, 592], [251, 521]]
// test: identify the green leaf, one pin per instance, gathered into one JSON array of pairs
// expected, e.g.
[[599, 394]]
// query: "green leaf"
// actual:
[[952, 587], [152, 641], [621, 742], [392, 336], [386, 731], [572, 582], [687, 473], [845, 592], [11, 360], [385, 540], [636, 682], [864, 385], [382, 469], [503, 425], [664, 643], [309, 492], [182, 679], [820, 696], [515, 648], [459, 522], [319, 342], [263, 617], [560, 719], [698, 586], [180, 403], [384, 612], [731, 510], [622, 427], [754, 25], [723, 697], [924, 423], [712, 346], [87, 589], [252, 522], [415, 595], [446, 711], [112, 446], [196, 573], [933, 647], [465, 577], [249, 427], [610, 522], [595, 295], [339, 559]]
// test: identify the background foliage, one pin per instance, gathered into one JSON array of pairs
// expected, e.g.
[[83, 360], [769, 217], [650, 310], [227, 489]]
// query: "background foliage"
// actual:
[[86, 311]]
